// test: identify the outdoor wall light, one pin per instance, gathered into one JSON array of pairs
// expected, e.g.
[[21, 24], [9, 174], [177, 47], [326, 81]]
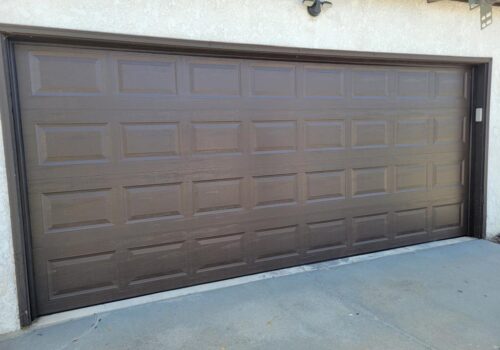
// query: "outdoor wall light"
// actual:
[[314, 6]]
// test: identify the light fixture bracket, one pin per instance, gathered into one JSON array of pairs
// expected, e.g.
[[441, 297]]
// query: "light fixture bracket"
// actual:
[[486, 10]]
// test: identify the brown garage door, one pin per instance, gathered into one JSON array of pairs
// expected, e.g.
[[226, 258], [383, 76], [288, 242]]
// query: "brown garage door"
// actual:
[[148, 172]]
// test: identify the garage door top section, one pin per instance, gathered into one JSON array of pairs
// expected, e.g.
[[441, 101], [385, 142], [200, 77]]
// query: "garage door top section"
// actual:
[[148, 172]]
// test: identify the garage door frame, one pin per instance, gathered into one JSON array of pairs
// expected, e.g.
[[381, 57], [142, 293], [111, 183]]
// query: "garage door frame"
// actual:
[[10, 117]]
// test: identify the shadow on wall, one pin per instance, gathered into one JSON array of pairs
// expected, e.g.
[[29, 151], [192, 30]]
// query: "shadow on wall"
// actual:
[[495, 239]]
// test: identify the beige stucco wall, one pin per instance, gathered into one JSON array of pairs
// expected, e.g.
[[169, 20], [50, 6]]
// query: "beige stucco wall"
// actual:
[[400, 26]]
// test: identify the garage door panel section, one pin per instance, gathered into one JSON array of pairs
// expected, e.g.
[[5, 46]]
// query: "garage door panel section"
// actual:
[[148, 172], [101, 75], [81, 73], [77, 210], [97, 273]]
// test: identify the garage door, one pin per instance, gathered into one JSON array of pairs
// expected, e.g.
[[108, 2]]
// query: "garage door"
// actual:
[[148, 172]]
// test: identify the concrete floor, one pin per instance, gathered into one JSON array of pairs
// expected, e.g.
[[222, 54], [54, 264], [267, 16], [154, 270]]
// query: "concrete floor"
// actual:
[[446, 297]]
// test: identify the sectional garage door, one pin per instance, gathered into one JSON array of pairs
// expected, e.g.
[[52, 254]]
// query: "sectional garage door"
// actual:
[[148, 172]]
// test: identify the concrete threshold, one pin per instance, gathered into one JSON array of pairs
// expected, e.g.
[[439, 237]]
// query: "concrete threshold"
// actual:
[[65, 316]]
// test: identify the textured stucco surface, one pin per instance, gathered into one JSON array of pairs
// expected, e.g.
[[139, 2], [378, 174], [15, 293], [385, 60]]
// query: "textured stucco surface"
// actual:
[[8, 294], [400, 26]]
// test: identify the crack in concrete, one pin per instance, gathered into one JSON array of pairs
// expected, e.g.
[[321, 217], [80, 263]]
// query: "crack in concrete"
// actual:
[[98, 319]]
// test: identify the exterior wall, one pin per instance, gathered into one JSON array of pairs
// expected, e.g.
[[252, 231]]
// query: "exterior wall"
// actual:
[[8, 294], [399, 26]]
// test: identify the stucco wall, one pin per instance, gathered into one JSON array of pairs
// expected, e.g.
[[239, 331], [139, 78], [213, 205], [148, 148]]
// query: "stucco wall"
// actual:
[[400, 26], [8, 294]]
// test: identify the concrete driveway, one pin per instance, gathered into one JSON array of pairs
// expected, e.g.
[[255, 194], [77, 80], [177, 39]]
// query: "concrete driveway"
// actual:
[[432, 297]]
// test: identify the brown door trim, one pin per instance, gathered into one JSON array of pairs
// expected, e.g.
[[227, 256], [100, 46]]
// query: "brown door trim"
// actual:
[[16, 182], [234, 50], [480, 98], [480, 89]]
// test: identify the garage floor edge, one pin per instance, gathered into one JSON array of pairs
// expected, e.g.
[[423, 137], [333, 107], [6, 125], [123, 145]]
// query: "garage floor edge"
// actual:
[[437, 297], [61, 317]]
